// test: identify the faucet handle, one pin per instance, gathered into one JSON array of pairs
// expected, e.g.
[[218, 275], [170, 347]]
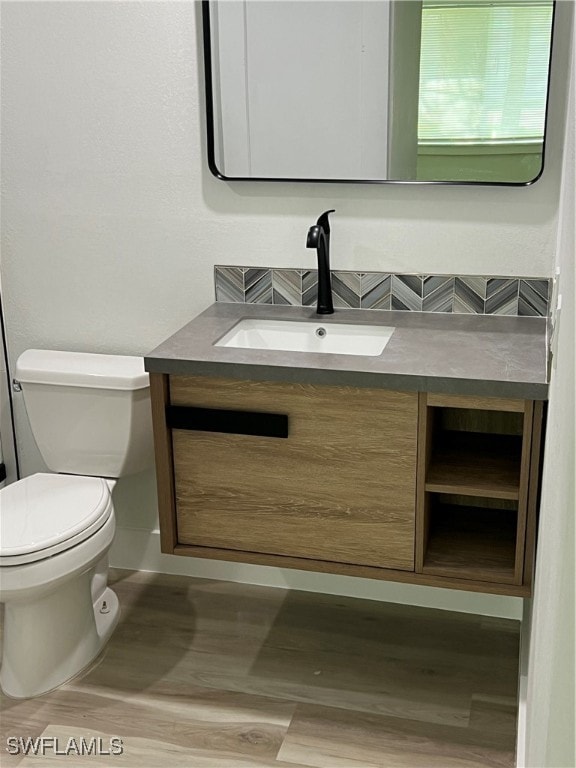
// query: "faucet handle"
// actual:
[[324, 222], [313, 236]]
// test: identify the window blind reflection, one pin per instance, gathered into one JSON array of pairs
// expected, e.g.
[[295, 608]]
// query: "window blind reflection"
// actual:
[[484, 72]]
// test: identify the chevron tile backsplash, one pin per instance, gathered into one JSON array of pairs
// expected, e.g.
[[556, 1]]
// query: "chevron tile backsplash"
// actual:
[[461, 294]]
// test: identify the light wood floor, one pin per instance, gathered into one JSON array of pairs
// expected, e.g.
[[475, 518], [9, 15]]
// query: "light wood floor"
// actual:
[[202, 673]]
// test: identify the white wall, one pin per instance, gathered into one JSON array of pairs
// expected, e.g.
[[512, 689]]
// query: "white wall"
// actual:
[[550, 731], [112, 223]]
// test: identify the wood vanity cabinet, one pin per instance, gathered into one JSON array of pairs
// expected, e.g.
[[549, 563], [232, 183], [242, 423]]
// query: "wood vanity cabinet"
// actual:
[[404, 486]]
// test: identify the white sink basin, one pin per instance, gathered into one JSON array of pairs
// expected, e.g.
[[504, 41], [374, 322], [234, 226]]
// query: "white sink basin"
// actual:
[[293, 336]]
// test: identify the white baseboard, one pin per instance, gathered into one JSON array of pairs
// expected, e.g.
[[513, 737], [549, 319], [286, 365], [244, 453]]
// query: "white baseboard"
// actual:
[[521, 730], [139, 549]]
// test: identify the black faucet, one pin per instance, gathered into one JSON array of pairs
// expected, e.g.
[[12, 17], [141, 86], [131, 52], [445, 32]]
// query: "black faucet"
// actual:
[[319, 238]]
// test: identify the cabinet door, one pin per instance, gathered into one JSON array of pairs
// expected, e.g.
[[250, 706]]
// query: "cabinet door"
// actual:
[[341, 487]]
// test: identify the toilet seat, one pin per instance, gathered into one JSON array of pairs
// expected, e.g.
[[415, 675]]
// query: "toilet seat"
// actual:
[[45, 514]]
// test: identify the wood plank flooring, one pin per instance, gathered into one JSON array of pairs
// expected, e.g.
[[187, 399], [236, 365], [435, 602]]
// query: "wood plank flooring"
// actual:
[[213, 674]]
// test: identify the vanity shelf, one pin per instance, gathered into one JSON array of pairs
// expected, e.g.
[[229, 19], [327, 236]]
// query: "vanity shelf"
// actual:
[[471, 542], [476, 506], [475, 464]]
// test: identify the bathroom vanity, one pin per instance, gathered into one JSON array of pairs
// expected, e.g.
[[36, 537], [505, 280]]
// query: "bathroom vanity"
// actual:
[[418, 465]]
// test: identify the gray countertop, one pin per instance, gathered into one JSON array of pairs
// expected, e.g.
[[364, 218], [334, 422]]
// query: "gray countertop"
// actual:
[[456, 354]]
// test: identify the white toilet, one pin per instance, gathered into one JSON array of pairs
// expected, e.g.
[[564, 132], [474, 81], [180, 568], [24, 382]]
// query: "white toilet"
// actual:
[[90, 415]]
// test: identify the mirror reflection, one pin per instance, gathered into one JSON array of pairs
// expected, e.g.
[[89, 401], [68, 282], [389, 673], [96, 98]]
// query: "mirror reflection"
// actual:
[[377, 90]]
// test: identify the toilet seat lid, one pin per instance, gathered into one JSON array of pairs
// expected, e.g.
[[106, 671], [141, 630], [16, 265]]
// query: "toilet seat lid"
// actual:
[[44, 514]]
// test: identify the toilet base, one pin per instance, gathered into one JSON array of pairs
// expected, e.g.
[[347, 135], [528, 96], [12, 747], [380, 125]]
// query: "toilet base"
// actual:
[[49, 640]]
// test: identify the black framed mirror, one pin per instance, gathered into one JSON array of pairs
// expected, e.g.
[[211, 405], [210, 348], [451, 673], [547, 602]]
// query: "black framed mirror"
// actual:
[[377, 91]]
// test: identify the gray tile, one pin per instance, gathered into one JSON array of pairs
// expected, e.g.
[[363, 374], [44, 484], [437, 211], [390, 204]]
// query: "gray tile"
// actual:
[[376, 290], [476, 283], [346, 289], [407, 292], [258, 288], [460, 307], [379, 290], [279, 299], [501, 296], [533, 298], [287, 286], [497, 284], [431, 283], [414, 282], [542, 286], [438, 293], [254, 274], [469, 295], [309, 287], [229, 284]]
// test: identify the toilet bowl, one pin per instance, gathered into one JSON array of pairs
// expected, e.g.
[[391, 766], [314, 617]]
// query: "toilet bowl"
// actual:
[[90, 411], [56, 533]]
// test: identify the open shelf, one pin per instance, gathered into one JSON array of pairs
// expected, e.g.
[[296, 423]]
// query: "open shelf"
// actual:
[[475, 464], [471, 543], [473, 519]]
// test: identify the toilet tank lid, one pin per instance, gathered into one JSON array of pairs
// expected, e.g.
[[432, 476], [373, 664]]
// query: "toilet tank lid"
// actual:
[[81, 369]]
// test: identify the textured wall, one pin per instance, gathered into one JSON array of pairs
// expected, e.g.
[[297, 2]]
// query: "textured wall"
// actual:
[[551, 711]]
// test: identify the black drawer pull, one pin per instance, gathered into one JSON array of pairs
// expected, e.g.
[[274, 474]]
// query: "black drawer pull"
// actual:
[[229, 422]]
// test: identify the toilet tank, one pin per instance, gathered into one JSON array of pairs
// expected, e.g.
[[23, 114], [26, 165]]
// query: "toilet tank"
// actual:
[[89, 413]]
